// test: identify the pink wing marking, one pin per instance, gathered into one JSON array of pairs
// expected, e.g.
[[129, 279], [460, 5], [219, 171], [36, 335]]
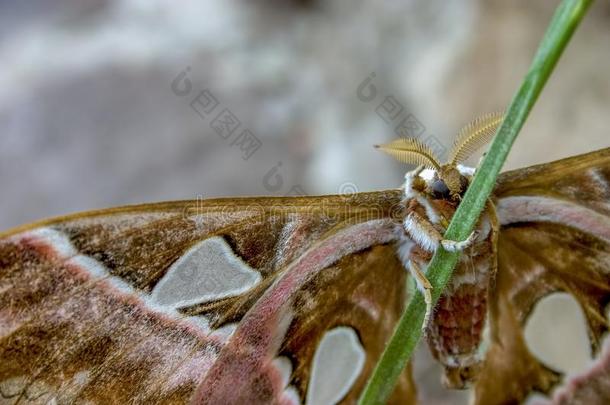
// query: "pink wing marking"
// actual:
[[543, 209]]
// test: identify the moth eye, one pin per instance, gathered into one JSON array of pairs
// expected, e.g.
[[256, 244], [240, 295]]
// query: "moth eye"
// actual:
[[439, 189]]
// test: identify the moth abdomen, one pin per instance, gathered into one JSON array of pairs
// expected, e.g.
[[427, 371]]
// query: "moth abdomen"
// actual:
[[455, 332]]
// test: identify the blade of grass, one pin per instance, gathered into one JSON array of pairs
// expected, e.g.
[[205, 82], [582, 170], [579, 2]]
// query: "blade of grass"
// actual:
[[408, 331]]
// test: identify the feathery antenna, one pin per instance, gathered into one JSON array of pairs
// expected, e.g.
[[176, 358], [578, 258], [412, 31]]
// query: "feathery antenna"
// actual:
[[473, 136], [408, 150]]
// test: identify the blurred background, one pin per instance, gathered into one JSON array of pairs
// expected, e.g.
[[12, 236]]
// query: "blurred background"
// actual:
[[106, 103]]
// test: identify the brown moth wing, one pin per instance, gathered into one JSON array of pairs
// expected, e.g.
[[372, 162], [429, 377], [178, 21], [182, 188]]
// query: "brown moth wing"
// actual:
[[90, 308], [555, 236]]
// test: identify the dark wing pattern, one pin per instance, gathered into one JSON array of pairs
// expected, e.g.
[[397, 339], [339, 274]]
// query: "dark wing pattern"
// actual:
[[261, 300], [555, 236]]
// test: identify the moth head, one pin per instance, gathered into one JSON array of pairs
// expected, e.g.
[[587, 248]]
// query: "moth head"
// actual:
[[447, 182]]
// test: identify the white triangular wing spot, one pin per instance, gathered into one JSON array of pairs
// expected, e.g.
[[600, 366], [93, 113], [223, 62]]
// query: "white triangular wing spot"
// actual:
[[559, 315], [208, 271], [291, 396], [338, 361], [284, 367], [225, 331]]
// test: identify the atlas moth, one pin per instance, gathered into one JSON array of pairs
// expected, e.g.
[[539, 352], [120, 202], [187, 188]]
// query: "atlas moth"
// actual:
[[290, 300]]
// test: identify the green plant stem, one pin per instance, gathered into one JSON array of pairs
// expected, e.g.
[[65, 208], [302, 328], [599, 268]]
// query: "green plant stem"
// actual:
[[408, 331]]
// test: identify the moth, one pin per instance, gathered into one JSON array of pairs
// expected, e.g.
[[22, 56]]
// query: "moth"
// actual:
[[291, 300]]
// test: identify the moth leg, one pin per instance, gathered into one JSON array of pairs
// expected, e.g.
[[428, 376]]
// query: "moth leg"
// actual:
[[425, 287], [429, 238], [455, 246]]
